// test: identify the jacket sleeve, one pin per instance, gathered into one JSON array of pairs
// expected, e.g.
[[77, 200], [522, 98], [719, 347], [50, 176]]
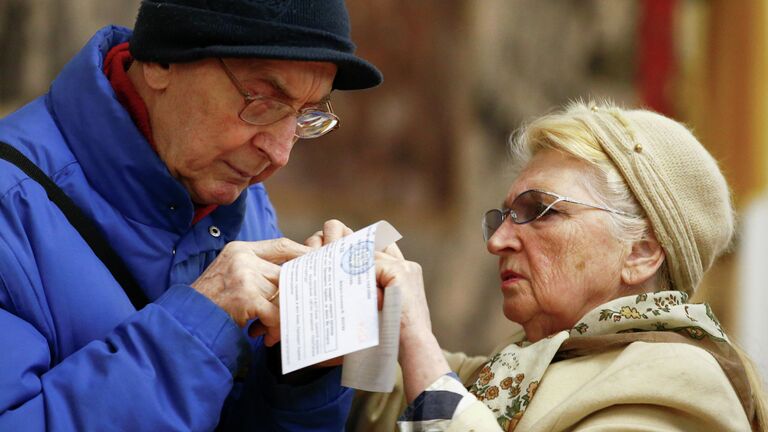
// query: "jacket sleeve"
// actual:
[[442, 405], [260, 401], [378, 412], [160, 369]]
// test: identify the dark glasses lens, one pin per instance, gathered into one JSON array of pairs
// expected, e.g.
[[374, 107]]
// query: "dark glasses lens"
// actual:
[[492, 220], [530, 205]]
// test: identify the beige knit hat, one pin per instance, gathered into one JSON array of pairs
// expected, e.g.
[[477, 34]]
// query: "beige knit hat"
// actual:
[[674, 179]]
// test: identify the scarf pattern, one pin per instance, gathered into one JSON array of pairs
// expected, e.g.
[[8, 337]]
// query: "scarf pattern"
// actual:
[[508, 381]]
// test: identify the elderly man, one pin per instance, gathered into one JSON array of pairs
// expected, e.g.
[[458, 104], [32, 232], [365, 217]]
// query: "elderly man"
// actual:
[[125, 299]]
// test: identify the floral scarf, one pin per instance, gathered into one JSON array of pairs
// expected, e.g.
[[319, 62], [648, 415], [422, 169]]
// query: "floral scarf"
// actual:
[[508, 381]]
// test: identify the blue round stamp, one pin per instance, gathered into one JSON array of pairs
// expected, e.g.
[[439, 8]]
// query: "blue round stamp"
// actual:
[[358, 258]]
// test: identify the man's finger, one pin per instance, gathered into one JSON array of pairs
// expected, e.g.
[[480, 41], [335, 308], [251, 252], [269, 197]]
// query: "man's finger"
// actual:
[[256, 329], [336, 361], [279, 250], [272, 337], [315, 240], [268, 271], [268, 313], [333, 230]]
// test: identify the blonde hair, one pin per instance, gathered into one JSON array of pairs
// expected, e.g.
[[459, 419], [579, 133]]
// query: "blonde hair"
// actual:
[[756, 385]]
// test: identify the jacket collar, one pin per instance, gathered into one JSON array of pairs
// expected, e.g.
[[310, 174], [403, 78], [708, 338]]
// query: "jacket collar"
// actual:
[[116, 158]]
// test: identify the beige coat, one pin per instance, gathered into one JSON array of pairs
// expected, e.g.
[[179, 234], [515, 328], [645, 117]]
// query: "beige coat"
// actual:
[[640, 387]]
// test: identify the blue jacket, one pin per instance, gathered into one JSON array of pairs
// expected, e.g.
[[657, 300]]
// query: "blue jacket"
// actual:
[[76, 355]]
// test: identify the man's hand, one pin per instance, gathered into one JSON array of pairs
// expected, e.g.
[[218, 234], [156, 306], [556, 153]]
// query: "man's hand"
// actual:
[[332, 230], [243, 278]]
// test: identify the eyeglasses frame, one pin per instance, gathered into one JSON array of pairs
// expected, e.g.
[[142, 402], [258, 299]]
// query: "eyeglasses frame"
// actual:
[[250, 98], [510, 214]]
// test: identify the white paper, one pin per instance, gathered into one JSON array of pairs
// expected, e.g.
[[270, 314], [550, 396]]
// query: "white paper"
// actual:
[[328, 298], [373, 369]]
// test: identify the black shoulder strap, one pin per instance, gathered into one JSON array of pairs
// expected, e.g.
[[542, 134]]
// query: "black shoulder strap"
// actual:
[[86, 227]]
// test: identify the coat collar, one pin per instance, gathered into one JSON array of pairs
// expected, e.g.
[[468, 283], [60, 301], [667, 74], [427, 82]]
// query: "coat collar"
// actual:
[[117, 159]]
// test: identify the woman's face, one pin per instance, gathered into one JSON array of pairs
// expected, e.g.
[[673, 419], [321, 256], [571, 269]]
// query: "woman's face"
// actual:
[[555, 269]]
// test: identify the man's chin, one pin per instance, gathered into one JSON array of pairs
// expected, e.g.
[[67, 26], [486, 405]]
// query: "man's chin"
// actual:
[[222, 195]]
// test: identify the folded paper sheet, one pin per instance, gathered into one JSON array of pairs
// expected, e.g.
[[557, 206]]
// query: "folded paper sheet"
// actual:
[[328, 309], [373, 369]]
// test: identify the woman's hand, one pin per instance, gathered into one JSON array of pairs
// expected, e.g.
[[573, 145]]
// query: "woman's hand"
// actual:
[[333, 230], [394, 270], [420, 355]]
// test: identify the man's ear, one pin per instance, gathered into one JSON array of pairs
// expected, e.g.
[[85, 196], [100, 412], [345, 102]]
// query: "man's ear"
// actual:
[[643, 262], [156, 75]]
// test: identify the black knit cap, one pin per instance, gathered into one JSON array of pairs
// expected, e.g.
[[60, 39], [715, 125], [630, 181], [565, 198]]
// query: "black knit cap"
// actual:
[[175, 31]]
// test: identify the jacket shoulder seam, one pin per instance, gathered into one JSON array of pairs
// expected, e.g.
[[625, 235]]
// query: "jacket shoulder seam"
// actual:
[[26, 177]]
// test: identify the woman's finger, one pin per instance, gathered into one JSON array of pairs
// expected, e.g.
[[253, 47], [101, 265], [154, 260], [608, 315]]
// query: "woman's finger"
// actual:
[[394, 251], [379, 297]]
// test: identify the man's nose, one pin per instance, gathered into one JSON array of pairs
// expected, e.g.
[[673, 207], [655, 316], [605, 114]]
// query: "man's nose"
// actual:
[[279, 145]]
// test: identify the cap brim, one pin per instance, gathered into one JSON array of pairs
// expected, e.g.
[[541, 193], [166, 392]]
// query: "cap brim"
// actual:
[[353, 72]]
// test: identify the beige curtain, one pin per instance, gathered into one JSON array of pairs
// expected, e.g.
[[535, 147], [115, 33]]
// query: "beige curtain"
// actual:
[[723, 95]]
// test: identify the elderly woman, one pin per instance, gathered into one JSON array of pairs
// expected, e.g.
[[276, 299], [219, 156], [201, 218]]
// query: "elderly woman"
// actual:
[[612, 219]]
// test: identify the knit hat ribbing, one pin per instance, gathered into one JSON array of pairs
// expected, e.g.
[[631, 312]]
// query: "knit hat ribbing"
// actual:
[[174, 31], [676, 182]]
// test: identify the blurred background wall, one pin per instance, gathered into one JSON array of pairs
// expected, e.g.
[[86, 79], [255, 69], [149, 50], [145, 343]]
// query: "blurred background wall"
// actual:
[[427, 149]]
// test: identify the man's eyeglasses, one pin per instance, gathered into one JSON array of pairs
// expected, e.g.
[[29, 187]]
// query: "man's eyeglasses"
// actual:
[[261, 110], [529, 206]]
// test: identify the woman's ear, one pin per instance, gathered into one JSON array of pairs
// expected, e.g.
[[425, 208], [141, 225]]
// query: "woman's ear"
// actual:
[[156, 75], [643, 262]]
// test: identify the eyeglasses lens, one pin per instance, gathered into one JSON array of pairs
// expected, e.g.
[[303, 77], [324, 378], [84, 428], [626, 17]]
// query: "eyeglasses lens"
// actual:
[[312, 124], [527, 207], [265, 111], [309, 124], [491, 222], [530, 205]]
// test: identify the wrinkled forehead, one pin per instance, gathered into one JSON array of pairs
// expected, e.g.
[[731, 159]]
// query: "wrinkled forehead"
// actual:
[[553, 171], [292, 78]]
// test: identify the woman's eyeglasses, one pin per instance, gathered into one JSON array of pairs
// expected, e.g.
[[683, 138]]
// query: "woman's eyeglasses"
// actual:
[[529, 206], [262, 111]]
